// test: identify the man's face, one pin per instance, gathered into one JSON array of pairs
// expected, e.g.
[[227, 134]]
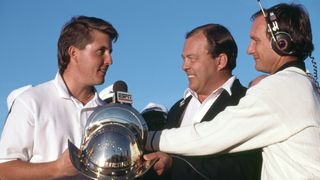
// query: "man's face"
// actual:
[[198, 64], [260, 47], [93, 61]]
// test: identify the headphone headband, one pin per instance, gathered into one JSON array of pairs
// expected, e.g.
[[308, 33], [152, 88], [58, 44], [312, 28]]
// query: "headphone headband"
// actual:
[[282, 42]]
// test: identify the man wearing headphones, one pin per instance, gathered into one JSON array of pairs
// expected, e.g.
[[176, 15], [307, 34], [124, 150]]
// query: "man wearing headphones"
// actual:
[[280, 114]]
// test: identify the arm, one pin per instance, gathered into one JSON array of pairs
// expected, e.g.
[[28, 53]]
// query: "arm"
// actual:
[[18, 169], [251, 124], [18, 157]]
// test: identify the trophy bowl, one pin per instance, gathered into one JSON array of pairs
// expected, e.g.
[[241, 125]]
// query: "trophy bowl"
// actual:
[[112, 146]]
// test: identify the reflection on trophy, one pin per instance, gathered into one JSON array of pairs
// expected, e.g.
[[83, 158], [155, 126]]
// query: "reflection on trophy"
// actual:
[[112, 146]]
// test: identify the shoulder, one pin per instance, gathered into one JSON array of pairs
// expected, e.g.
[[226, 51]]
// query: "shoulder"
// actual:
[[39, 92], [176, 112], [290, 78], [180, 104], [285, 88], [237, 89]]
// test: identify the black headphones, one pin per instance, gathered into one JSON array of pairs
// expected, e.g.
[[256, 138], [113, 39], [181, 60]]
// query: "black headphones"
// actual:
[[281, 41]]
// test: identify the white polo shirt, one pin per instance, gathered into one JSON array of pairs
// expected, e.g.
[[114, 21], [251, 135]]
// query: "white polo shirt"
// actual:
[[41, 122]]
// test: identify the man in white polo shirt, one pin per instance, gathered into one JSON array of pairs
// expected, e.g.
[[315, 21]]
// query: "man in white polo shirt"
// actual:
[[34, 140]]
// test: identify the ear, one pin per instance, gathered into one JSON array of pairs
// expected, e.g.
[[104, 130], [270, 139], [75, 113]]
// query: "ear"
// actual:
[[73, 53], [223, 61]]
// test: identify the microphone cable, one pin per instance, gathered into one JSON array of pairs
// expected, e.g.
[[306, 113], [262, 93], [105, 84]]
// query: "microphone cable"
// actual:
[[314, 76], [197, 171]]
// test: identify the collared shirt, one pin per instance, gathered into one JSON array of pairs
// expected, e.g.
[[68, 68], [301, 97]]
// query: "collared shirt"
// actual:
[[280, 115], [196, 110], [41, 122]]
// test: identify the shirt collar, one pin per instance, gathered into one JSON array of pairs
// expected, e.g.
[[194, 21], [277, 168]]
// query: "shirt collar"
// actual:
[[61, 86], [297, 63], [226, 86], [64, 93]]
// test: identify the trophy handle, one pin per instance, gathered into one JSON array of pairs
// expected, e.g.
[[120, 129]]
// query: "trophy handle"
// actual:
[[74, 153], [146, 167]]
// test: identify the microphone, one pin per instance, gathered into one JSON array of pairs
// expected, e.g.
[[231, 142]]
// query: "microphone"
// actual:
[[121, 94]]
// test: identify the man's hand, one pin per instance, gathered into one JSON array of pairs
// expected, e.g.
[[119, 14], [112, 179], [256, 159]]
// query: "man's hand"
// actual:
[[65, 166], [164, 162], [17, 169]]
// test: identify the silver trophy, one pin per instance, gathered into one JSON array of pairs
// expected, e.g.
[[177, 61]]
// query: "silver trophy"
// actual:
[[112, 146]]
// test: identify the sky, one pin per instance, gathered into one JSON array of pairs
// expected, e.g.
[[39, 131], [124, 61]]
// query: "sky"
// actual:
[[147, 55]]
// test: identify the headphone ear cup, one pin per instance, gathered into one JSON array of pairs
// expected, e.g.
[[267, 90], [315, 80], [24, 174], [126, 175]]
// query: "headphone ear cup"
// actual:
[[283, 45]]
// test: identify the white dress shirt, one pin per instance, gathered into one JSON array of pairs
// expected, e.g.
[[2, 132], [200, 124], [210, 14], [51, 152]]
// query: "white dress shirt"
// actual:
[[196, 110]]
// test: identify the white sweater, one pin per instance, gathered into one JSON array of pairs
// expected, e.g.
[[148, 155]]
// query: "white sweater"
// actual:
[[281, 114]]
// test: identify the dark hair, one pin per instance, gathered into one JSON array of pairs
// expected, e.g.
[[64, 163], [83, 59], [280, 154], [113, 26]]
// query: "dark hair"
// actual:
[[219, 41], [77, 32], [294, 20]]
